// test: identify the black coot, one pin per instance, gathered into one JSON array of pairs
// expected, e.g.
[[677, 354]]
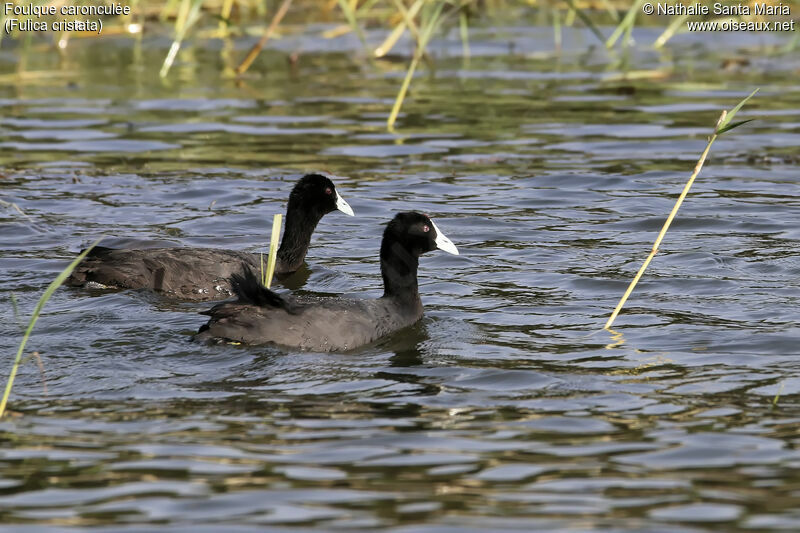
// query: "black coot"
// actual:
[[262, 316], [204, 273]]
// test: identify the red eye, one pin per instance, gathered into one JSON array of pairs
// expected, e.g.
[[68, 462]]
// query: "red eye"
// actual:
[[328, 191], [425, 228]]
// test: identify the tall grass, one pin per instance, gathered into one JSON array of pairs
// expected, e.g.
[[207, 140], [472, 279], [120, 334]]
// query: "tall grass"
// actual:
[[396, 16], [55, 284], [425, 37], [586, 19], [350, 15], [626, 25], [189, 14], [724, 125], [272, 256], [407, 22]]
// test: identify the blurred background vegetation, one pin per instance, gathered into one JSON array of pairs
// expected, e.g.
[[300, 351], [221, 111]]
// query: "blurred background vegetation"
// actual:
[[379, 25], [611, 21]]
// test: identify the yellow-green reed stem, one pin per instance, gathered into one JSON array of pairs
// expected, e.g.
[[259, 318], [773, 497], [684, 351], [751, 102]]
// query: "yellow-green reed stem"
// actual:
[[55, 284], [463, 27], [777, 396], [225, 14], [407, 22], [186, 18], [182, 16], [409, 14], [391, 40], [610, 9], [418, 53], [364, 8], [273, 248], [626, 25], [628, 39], [672, 29], [557, 29], [569, 20], [723, 125], [661, 234], [350, 15], [586, 20]]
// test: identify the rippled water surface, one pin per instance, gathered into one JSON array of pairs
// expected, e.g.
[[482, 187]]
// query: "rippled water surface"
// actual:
[[506, 407]]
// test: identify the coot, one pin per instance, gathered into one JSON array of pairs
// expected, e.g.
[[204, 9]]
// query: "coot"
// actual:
[[203, 274], [261, 316]]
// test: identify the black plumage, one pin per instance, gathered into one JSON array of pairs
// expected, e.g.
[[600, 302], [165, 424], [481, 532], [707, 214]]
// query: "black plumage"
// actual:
[[261, 316], [203, 274]]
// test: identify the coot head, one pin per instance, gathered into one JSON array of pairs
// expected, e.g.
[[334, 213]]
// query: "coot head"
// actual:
[[316, 194], [417, 233]]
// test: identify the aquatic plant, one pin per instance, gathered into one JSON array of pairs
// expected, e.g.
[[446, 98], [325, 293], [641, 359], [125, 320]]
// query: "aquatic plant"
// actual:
[[626, 25], [256, 49], [724, 125], [433, 22], [777, 396], [272, 255], [188, 16], [421, 18], [55, 284]]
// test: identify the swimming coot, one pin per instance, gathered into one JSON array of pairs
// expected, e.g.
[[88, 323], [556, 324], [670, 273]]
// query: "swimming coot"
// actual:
[[203, 274], [261, 316]]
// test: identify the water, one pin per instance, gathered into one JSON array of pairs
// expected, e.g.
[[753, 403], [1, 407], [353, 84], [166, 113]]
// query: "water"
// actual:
[[506, 407]]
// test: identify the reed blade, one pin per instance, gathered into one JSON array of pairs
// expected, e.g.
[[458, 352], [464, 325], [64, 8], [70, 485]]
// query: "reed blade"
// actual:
[[273, 248], [723, 125], [182, 25], [407, 22], [729, 127], [463, 29], [350, 15], [626, 25], [587, 21], [673, 28], [55, 284], [420, 51]]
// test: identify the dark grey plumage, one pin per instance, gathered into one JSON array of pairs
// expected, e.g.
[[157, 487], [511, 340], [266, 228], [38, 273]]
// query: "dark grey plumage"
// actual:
[[261, 316], [203, 274]]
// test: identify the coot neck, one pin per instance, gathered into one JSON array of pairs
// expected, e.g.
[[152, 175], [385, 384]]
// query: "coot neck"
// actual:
[[300, 225], [399, 270]]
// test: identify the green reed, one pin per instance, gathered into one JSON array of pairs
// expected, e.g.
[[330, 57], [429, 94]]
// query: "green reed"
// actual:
[[272, 256], [55, 284], [777, 396], [626, 25], [425, 36], [724, 125]]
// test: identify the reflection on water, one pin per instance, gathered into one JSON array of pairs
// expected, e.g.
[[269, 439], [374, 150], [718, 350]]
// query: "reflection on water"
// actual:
[[505, 408]]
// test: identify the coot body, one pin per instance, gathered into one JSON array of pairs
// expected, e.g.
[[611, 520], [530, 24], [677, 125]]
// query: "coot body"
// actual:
[[202, 274], [261, 316]]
